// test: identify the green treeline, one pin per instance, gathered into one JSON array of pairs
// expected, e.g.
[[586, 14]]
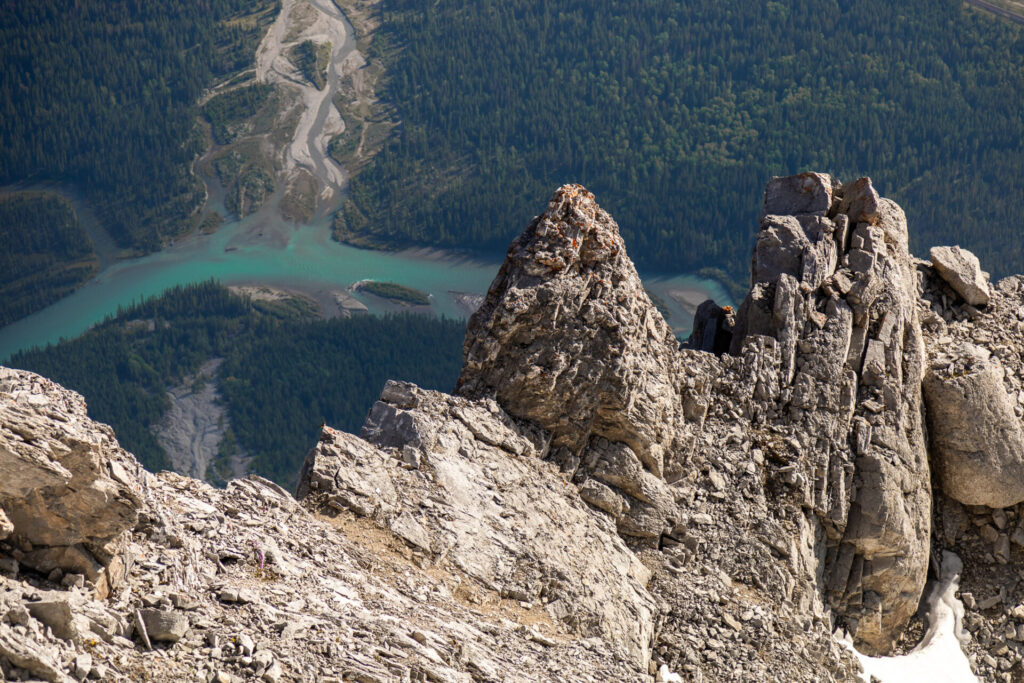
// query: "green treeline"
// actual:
[[45, 253], [676, 113], [124, 365], [282, 375], [283, 383], [103, 95]]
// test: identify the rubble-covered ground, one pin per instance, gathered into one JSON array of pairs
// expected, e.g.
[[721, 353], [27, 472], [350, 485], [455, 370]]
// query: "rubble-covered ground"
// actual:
[[814, 471], [256, 588]]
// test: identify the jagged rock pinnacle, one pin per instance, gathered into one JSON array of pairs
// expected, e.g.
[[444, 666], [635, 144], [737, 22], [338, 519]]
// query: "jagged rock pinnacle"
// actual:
[[833, 284], [572, 233], [568, 338]]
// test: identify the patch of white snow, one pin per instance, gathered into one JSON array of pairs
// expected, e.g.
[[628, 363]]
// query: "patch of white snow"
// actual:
[[939, 657]]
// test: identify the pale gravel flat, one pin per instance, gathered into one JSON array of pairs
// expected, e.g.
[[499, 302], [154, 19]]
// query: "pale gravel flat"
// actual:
[[193, 427], [320, 120]]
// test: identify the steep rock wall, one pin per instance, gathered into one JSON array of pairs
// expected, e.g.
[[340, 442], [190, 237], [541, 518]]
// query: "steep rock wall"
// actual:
[[716, 511]]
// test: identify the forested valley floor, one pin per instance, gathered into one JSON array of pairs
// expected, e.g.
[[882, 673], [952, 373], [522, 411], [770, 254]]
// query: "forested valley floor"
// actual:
[[675, 114], [105, 96], [283, 374], [46, 254]]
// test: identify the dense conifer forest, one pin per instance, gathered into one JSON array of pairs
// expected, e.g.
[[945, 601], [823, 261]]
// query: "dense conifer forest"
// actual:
[[104, 95], [44, 253], [282, 375], [676, 113]]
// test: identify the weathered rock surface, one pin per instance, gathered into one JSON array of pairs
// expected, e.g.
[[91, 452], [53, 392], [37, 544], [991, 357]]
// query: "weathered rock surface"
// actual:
[[164, 625], [837, 294], [989, 539], [66, 488], [475, 494], [977, 442], [961, 269], [595, 503], [245, 584], [806, 193], [536, 349], [568, 338]]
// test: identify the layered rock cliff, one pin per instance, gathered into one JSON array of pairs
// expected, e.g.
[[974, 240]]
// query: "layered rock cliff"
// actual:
[[594, 501]]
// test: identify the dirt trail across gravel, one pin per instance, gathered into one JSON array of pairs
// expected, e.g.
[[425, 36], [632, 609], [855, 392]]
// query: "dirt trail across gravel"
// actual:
[[194, 425]]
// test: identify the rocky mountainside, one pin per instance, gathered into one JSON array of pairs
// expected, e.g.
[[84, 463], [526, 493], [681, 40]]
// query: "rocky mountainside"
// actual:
[[592, 503]]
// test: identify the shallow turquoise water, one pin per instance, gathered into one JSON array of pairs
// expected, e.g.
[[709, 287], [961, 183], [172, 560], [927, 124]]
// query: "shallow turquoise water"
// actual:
[[310, 261]]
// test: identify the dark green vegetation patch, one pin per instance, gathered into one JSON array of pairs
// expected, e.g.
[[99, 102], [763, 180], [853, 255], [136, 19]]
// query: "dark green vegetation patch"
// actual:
[[313, 60], [225, 112], [395, 292], [676, 113], [282, 376], [44, 253], [103, 95]]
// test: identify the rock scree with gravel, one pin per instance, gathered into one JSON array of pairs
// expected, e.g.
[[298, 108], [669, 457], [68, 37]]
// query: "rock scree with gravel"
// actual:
[[594, 502]]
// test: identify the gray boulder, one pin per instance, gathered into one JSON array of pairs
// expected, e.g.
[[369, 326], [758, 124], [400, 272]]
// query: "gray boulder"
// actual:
[[164, 626], [806, 193], [66, 490], [977, 444], [961, 269]]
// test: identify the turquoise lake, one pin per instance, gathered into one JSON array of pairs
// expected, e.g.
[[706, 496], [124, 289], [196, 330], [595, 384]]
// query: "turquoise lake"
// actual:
[[310, 262]]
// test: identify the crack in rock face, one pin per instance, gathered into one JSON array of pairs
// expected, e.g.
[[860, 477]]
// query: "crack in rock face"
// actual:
[[831, 356]]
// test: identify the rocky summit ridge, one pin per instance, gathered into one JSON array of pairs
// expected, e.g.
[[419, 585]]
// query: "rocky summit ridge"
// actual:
[[594, 502]]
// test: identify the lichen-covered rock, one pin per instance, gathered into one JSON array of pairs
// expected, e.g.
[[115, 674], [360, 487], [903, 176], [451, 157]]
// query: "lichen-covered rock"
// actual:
[[68, 488]]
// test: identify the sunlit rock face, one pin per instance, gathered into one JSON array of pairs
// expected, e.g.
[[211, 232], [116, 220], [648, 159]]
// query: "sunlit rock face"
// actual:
[[68, 490], [596, 500], [568, 338]]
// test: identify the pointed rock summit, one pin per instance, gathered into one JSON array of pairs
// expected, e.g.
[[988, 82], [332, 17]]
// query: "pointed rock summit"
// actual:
[[824, 373], [568, 338]]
